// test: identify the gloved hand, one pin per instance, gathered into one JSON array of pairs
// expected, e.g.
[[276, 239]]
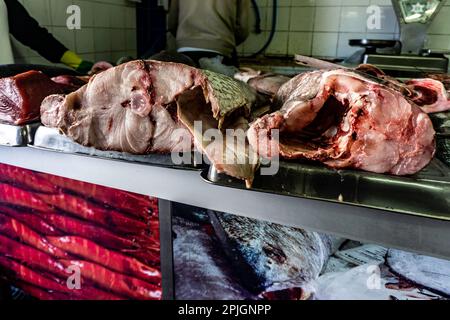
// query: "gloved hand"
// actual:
[[72, 60]]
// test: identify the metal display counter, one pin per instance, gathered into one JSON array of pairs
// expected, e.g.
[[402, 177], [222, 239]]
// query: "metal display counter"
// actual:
[[398, 230]]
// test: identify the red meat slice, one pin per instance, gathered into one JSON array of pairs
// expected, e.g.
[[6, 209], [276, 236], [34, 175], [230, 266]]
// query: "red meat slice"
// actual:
[[21, 96]]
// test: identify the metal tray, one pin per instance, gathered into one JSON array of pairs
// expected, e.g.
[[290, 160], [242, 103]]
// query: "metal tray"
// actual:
[[51, 140], [17, 136], [425, 194]]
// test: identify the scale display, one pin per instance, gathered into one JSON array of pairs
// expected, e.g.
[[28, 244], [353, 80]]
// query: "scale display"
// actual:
[[419, 11]]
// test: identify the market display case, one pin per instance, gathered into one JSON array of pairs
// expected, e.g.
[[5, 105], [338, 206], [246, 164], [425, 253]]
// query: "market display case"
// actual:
[[412, 232]]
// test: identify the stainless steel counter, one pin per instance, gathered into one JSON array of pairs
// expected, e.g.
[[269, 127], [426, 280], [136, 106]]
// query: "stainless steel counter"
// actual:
[[419, 234]]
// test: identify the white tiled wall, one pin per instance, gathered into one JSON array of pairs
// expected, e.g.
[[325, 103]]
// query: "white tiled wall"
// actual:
[[323, 27], [108, 29], [311, 27]]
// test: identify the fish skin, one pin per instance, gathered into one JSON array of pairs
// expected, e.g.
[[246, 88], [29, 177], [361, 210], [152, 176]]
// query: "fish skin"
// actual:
[[228, 95], [431, 273], [352, 284], [270, 257], [192, 109], [232, 102], [201, 270]]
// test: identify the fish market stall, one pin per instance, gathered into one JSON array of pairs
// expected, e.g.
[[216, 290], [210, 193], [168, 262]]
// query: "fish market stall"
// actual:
[[358, 192], [200, 169], [335, 175]]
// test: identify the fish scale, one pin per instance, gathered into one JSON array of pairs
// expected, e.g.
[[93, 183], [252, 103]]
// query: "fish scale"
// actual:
[[270, 257], [230, 95]]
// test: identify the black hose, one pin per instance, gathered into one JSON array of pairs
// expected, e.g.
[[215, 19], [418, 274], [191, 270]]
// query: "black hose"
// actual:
[[257, 17], [272, 30]]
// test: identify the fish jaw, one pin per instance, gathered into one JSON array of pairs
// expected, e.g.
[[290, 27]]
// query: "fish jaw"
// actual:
[[347, 121], [431, 95]]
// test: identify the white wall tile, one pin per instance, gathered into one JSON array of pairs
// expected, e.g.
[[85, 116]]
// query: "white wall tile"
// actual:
[[279, 44], [302, 3], [381, 2], [334, 22], [40, 10], [328, 2], [302, 18], [439, 42], [103, 56], [102, 11], [355, 3], [131, 40], [108, 28], [311, 27], [87, 13], [283, 18], [65, 36], [353, 19], [344, 49], [130, 17], [84, 40], [327, 19], [389, 23], [441, 24], [117, 16], [58, 12], [325, 44], [118, 42], [102, 39], [300, 43]]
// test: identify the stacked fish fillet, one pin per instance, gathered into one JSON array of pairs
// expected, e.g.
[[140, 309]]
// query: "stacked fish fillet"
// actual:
[[51, 228]]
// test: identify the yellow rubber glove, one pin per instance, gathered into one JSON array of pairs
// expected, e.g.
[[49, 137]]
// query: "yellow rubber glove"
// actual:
[[72, 60]]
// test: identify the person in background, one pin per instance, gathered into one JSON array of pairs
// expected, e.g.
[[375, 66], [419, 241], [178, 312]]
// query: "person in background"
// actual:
[[209, 31], [15, 20]]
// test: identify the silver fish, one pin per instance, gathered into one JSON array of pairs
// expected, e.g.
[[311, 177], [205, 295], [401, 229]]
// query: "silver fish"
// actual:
[[201, 271], [429, 272], [270, 257], [369, 282]]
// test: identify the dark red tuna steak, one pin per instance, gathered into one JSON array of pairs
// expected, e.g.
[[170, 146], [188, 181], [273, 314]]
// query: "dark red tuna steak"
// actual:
[[21, 96], [346, 120]]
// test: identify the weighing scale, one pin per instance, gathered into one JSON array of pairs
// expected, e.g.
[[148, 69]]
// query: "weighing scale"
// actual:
[[409, 57]]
